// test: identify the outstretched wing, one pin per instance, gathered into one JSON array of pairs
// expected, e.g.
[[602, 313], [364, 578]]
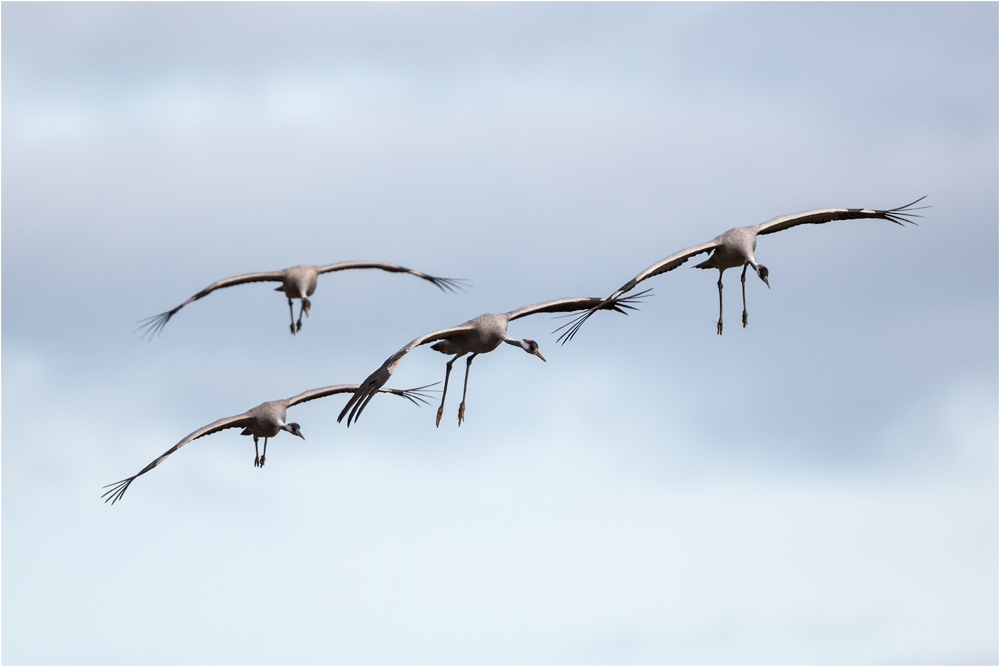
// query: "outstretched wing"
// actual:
[[153, 325], [898, 215], [664, 265], [374, 382], [572, 305], [117, 490], [444, 284], [415, 395]]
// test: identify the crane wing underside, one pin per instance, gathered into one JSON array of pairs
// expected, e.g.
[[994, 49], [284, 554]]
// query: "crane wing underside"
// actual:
[[117, 490], [152, 326], [415, 395], [374, 382], [668, 264], [899, 215], [572, 305], [444, 284]]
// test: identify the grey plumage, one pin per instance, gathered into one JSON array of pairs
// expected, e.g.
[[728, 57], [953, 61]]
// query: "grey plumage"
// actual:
[[736, 247], [264, 421], [477, 336], [297, 282]]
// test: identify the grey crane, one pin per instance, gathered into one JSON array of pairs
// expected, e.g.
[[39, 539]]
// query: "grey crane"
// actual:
[[477, 336], [297, 282], [264, 421], [735, 248]]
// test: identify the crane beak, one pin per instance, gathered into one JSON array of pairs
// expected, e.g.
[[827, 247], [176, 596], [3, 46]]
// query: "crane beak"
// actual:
[[767, 283], [300, 435], [539, 355]]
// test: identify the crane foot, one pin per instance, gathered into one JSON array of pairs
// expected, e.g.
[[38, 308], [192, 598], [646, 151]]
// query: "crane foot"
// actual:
[[461, 413], [292, 327], [744, 319], [718, 329], [437, 422], [298, 326], [262, 462], [256, 462]]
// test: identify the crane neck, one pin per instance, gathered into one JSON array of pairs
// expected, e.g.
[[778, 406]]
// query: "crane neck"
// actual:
[[512, 341]]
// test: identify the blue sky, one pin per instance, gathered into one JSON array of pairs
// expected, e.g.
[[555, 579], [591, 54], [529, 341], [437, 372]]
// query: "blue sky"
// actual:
[[820, 487]]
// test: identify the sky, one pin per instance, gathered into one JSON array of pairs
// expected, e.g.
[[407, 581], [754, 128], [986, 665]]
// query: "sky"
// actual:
[[820, 487]]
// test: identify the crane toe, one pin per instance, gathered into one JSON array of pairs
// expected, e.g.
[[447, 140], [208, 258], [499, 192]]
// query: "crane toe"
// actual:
[[437, 422], [744, 319], [461, 413]]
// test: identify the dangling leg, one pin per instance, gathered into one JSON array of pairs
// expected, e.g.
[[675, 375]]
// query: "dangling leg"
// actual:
[[719, 328], [743, 279], [256, 454], [291, 312], [264, 454], [303, 309], [461, 408], [444, 392]]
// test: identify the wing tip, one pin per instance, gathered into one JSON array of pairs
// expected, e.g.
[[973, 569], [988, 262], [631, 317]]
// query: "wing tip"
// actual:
[[117, 490], [152, 326], [451, 285]]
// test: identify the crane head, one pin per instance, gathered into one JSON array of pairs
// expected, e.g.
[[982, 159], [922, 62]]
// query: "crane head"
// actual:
[[306, 305], [762, 274], [531, 347], [294, 429]]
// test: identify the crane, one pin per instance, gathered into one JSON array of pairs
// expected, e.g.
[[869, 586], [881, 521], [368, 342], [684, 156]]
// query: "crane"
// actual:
[[297, 282], [736, 247], [264, 421], [477, 336]]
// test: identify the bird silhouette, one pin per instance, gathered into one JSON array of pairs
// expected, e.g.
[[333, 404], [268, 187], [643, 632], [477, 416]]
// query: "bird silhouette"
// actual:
[[297, 282], [264, 421], [736, 247], [477, 336]]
